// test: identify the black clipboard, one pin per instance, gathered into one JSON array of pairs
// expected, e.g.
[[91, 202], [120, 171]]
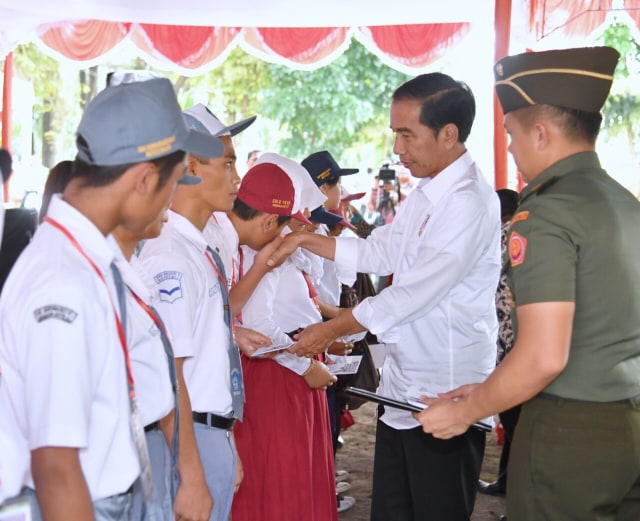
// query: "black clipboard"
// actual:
[[384, 400], [405, 406]]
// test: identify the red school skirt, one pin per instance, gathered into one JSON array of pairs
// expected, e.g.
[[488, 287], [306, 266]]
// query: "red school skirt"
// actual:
[[284, 442]]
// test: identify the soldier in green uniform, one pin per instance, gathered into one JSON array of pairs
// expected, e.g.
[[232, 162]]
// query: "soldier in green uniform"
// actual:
[[574, 271]]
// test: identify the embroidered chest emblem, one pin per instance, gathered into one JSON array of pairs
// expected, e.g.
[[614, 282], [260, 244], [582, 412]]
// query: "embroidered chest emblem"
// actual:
[[169, 285], [214, 290]]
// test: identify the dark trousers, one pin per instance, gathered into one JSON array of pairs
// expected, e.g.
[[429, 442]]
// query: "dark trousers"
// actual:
[[509, 420], [417, 477], [573, 460], [337, 401], [334, 419]]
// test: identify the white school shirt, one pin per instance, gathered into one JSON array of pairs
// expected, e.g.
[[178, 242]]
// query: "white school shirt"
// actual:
[[221, 235], [15, 459], [438, 317], [64, 382], [146, 351], [280, 304], [192, 309]]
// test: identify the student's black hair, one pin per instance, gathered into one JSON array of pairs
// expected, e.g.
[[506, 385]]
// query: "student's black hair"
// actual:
[[56, 182], [6, 164], [508, 201], [444, 100]]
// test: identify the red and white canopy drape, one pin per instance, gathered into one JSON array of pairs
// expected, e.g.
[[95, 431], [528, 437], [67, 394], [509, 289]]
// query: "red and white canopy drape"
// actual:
[[166, 33], [576, 17], [192, 48]]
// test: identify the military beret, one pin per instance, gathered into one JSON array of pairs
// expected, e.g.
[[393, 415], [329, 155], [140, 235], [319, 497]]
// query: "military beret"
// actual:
[[571, 78]]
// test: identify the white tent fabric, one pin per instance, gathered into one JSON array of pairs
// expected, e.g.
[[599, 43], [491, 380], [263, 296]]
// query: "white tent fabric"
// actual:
[[24, 20]]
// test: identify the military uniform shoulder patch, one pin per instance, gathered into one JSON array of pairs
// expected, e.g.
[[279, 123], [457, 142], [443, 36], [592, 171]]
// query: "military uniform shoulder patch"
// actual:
[[520, 216], [517, 249]]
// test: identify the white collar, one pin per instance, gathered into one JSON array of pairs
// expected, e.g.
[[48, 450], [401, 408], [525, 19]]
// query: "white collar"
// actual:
[[90, 238], [186, 229], [437, 187]]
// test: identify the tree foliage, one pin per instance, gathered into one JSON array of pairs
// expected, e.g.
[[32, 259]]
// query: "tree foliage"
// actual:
[[44, 74], [336, 107], [231, 90], [621, 111]]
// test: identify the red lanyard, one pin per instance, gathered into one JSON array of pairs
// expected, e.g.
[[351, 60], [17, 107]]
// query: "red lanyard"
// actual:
[[213, 264], [241, 267], [121, 335], [240, 275], [147, 310], [313, 293]]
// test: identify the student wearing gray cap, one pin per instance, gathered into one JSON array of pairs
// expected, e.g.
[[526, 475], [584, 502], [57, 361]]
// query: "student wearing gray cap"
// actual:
[[575, 278], [66, 378]]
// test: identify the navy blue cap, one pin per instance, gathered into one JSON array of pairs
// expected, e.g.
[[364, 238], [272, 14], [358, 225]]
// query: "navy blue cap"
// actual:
[[321, 216], [323, 168]]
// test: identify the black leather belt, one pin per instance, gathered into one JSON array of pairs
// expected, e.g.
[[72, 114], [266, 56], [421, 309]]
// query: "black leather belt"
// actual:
[[152, 427], [213, 420]]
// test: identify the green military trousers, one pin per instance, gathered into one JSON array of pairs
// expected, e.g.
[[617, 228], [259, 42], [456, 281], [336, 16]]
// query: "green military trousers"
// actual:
[[575, 461]]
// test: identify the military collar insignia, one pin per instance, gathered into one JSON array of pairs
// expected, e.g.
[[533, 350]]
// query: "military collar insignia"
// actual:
[[539, 189]]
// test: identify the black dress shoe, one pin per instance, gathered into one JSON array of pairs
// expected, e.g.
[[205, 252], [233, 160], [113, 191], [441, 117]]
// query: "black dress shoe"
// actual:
[[491, 489]]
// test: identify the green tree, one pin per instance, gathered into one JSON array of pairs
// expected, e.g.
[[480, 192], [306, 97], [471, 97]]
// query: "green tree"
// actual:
[[44, 74], [337, 107], [622, 108], [231, 90]]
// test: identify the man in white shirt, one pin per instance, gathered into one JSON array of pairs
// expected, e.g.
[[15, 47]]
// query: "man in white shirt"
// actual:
[[438, 317], [66, 379]]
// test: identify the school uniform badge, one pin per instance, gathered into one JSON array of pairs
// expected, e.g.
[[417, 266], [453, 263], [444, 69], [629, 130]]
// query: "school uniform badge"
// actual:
[[55, 311], [214, 290], [169, 285], [517, 249]]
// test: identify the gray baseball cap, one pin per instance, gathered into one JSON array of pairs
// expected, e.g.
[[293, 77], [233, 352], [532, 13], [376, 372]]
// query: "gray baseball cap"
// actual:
[[138, 122], [199, 117]]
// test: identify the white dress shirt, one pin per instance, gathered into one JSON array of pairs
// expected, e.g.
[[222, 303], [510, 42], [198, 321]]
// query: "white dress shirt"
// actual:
[[64, 382], [191, 307], [438, 317], [330, 280]]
